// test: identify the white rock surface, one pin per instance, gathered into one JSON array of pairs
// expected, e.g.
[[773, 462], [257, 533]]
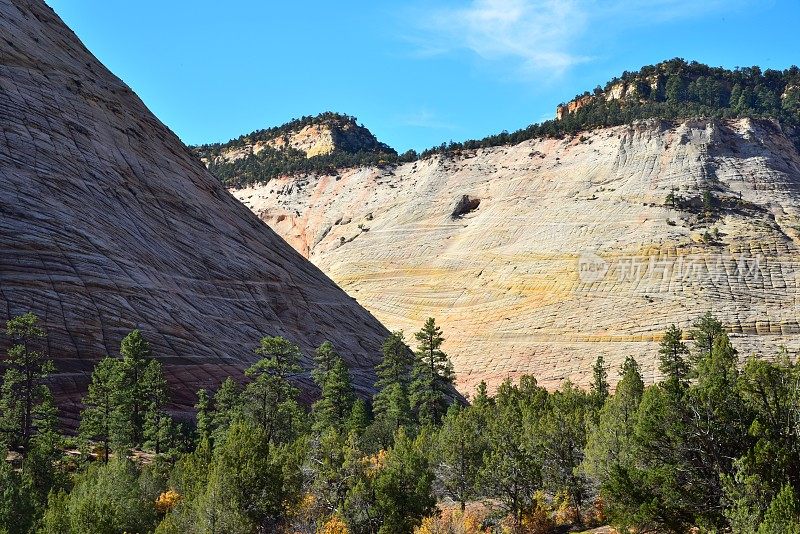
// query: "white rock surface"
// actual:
[[504, 279]]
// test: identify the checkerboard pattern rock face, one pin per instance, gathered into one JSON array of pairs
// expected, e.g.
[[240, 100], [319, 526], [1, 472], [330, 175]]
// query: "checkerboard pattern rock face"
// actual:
[[108, 223], [564, 249]]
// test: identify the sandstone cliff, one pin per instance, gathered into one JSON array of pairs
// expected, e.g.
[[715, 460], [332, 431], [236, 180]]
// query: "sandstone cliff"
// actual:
[[109, 223], [314, 136], [310, 144], [538, 257]]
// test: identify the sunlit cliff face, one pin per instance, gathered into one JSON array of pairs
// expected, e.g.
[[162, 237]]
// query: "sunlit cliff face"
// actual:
[[567, 249]]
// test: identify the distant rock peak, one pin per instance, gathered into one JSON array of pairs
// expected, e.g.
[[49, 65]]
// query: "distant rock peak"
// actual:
[[316, 135], [319, 143]]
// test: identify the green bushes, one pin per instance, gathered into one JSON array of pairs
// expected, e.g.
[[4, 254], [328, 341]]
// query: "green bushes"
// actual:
[[711, 446]]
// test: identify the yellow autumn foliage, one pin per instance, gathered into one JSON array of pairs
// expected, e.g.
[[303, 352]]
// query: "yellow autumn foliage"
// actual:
[[167, 500], [375, 463], [537, 519], [566, 514], [452, 521], [334, 525]]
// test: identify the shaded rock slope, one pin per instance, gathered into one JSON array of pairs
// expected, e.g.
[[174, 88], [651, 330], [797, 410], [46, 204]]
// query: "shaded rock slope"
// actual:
[[109, 223], [538, 257]]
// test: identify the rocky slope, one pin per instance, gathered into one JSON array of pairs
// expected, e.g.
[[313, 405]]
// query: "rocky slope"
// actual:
[[109, 223], [314, 136], [318, 144], [539, 257]]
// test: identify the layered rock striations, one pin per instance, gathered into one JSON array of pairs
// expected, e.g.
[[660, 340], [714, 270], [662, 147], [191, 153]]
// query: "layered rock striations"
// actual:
[[536, 258], [109, 223]]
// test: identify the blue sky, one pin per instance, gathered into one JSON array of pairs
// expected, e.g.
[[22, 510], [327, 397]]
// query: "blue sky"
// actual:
[[415, 73]]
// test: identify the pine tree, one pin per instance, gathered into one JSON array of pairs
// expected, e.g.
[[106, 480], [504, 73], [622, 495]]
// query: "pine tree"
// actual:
[[101, 417], [253, 477], [719, 421], [270, 399], [482, 401], [158, 426], [227, 407], [204, 415], [460, 446], [432, 376], [404, 487], [672, 355], [397, 363], [610, 451], [279, 357], [24, 381], [600, 386], [325, 358], [358, 420], [705, 331], [783, 514], [675, 89], [335, 406], [391, 403], [136, 355], [558, 438], [329, 480], [736, 94], [771, 393], [511, 472]]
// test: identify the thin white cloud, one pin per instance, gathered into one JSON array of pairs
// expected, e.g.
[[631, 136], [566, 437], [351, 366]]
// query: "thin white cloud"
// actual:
[[535, 33], [425, 118], [541, 35]]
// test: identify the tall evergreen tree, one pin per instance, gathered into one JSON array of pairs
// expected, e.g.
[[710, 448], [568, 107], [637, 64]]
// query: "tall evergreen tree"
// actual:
[[133, 388], [403, 487], [718, 424], [482, 399], [270, 399], [325, 357], [252, 478], [600, 387], [432, 376], [359, 418], [24, 381], [610, 448], [227, 407], [204, 415], [158, 425], [559, 436], [673, 354], [101, 418], [335, 406], [397, 363], [459, 449], [511, 471], [704, 332], [391, 404]]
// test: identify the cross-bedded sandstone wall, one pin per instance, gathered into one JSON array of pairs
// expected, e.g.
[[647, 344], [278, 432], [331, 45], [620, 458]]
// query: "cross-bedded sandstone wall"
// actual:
[[572, 249], [108, 223]]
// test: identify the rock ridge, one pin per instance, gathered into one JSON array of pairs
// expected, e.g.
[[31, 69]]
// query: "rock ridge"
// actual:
[[109, 223]]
